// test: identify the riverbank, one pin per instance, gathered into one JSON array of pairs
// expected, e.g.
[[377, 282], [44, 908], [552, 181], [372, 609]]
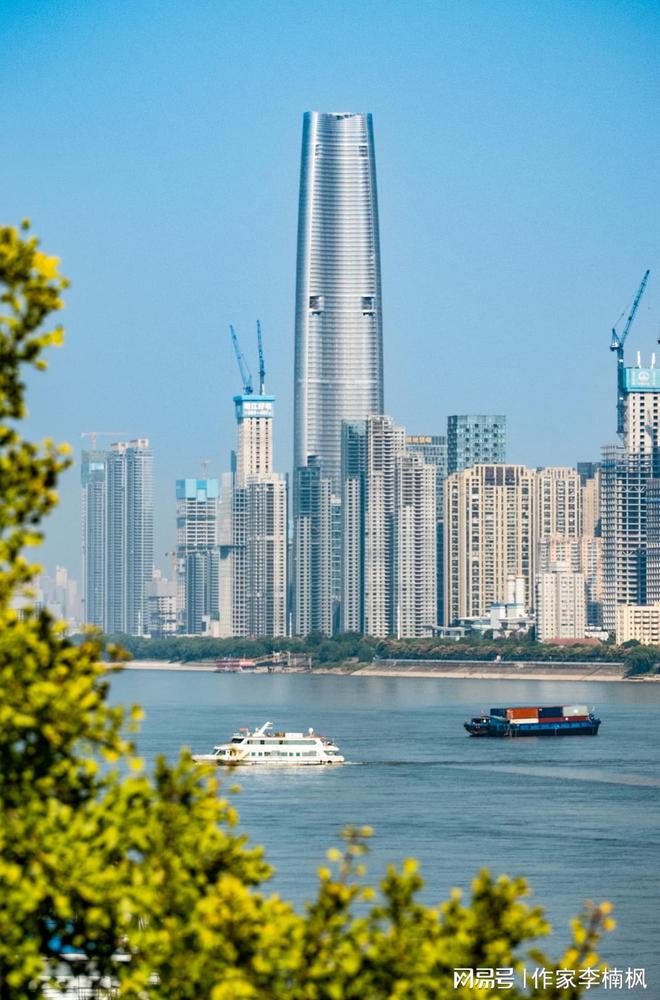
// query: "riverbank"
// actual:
[[454, 669], [481, 670]]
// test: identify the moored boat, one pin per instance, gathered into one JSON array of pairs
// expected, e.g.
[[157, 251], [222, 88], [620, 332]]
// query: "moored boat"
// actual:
[[545, 720], [265, 746]]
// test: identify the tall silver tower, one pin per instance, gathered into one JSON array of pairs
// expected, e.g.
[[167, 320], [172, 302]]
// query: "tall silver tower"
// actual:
[[339, 339]]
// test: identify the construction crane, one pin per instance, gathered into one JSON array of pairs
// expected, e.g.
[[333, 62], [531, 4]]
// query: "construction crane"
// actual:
[[262, 365], [94, 434], [617, 344], [246, 377]]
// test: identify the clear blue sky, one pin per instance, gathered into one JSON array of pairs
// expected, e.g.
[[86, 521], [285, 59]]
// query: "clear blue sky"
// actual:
[[155, 146]]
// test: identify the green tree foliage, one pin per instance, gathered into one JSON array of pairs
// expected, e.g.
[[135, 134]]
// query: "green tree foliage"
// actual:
[[98, 855]]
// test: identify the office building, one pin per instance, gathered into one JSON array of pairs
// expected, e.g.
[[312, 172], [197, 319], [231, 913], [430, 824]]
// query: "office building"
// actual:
[[313, 550], [197, 558], [475, 439], [253, 530], [388, 533], [560, 603], [117, 521], [490, 535], [433, 450], [338, 339]]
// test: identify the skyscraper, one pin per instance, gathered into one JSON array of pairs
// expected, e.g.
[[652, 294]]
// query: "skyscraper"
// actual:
[[253, 529], [93, 474], [312, 611], [626, 476], [196, 553], [475, 439], [130, 535], [489, 536], [389, 554], [117, 537], [338, 347], [433, 450]]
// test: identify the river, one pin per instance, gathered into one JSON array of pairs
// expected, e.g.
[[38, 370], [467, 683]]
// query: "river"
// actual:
[[578, 817]]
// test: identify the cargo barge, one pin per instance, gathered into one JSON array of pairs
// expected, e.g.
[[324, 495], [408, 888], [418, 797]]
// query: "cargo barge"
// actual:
[[553, 720]]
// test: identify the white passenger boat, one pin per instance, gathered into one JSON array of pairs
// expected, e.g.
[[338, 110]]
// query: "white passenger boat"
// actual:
[[265, 746]]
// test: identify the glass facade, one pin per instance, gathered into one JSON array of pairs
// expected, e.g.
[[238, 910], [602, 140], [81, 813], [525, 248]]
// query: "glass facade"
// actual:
[[473, 439], [338, 347]]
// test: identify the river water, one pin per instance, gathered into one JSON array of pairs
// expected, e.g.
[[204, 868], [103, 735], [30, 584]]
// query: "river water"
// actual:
[[578, 817]]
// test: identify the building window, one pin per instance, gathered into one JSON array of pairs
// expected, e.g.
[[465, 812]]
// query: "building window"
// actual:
[[316, 303], [367, 305]]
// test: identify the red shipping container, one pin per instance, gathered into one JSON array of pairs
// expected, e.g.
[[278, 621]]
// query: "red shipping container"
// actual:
[[522, 713]]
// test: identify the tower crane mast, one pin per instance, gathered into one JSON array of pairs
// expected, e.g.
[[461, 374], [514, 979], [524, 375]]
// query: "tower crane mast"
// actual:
[[262, 365], [617, 344], [96, 434], [246, 377]]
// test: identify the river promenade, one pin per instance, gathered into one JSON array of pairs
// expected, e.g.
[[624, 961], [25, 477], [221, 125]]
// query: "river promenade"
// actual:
[[456, 669]]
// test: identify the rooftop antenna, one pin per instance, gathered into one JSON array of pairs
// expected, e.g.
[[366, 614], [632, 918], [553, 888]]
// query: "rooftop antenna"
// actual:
[[262, 366]]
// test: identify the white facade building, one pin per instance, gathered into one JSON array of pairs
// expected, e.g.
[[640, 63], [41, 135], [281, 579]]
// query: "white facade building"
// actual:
[[253, 529], [561, 611], [389, 542]]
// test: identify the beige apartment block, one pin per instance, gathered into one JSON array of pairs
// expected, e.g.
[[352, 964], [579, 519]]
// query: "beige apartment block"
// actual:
[[640, 622]]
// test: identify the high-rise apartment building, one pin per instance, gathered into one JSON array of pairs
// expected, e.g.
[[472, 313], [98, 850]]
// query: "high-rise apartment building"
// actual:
[[560, 604], [490, 534], [592, 542], [626, 475], [505, 520], [338, 343], [253, 529], [415, 546], [475, 439], [388, 505], [433, 450], [313, 569], [197, 565], [93, 474], [117, 501], [624, 479], [558, 503]]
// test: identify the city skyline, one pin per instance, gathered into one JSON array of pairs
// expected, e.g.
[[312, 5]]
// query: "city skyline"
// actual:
[[513, 230]]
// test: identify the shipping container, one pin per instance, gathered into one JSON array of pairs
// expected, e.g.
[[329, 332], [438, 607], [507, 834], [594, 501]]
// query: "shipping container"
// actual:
[[532, 720], [555, 712], [499, 711], [575, 710], [522, 713]]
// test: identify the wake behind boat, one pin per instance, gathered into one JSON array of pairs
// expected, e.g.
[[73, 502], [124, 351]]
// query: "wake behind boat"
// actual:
[[265, 746]]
